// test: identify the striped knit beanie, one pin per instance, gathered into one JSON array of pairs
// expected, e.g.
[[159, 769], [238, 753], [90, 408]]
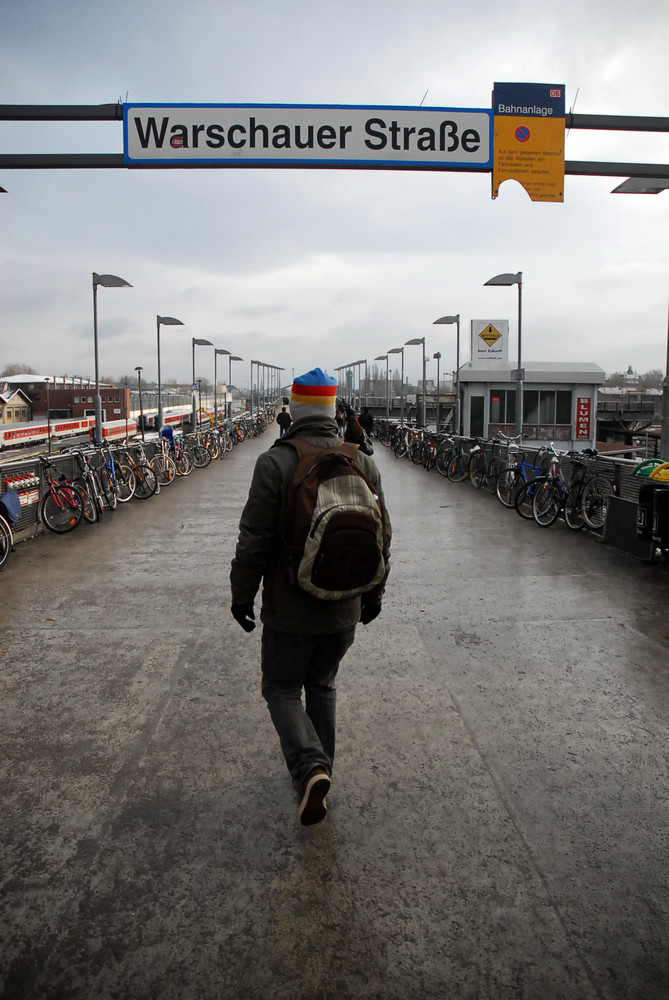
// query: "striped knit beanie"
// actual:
[[313, 395]]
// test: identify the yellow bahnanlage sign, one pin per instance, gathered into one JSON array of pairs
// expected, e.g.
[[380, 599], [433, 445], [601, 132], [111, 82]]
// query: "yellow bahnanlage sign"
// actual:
[[530, 151], [528, 143]]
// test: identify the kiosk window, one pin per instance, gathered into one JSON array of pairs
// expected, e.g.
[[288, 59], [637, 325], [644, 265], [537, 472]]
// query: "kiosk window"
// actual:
[[502, 406]]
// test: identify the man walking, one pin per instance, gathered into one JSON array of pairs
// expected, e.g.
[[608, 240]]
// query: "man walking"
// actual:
[[304, 638], [284, 420]]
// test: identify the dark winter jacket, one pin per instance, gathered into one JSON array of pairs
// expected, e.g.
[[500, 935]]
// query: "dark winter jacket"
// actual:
[[287, 608]]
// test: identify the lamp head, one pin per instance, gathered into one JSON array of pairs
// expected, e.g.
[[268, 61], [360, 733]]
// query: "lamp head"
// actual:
[[138, 368], [202, 343], [447, 319], [169, 321], [506, 279], [219, 350], [396, 350], [110, 281], [234, 357], [382, 357], [415, 340]]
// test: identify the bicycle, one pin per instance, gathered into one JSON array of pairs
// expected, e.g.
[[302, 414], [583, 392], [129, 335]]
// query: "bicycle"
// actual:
[[532, 474], [484, 468], [62, 506], [182, 458], [162, 464], [594, 496], [510, 476], [91, 486], [146, 480], [458, 467], [558, 494]]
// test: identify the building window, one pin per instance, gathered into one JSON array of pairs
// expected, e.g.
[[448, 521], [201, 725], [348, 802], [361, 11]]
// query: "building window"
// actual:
[[547, 406], [76, 399], [502, 406]]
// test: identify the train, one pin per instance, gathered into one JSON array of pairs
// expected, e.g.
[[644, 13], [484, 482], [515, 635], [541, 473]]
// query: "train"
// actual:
[[25, 435]]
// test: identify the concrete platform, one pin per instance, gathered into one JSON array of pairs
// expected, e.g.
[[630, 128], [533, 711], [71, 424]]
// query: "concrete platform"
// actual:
[[498, 822]]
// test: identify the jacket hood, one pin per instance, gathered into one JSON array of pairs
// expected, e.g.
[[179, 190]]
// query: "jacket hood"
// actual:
[[312, 427]]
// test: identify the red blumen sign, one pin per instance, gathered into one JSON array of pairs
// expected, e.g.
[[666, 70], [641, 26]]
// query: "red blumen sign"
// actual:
[[583, 412]]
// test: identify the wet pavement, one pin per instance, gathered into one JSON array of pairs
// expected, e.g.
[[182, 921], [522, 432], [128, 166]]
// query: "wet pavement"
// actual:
[[498, 822]]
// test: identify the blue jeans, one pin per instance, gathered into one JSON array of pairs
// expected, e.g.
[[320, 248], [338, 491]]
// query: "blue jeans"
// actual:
[[291, 662]]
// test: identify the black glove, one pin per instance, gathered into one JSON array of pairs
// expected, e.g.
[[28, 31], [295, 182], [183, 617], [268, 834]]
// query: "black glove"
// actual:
[[243, 613], [369, 612]]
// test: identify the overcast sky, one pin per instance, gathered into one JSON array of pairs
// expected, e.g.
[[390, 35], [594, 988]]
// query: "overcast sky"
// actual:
[[303, 267]]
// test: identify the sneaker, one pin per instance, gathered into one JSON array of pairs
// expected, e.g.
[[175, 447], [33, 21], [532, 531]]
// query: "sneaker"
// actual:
[[312, 808]]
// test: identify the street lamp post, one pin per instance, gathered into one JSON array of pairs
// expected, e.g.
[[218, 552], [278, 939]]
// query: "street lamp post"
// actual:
[[163, 321], [199, 342], [139, 371], [456, 320], [107, 281], [420, 340], [437, 356], [664, 436], [384, 357], [400, 350], [230, 360], [519, 378], [217, 351], [48, 417], [358, 365]]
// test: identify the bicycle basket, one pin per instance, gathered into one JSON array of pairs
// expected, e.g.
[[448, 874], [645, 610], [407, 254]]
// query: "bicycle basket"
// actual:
[[10, 507]]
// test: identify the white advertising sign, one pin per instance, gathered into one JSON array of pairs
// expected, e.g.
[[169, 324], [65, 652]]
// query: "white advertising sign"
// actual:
[[490, 340], [306, 135]]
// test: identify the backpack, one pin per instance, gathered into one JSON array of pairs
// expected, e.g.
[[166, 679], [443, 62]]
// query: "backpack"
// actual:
[[333, 533]]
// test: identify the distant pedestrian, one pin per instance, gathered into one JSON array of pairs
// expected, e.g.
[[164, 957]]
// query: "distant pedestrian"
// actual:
[[284, 420], [366, 420], [340, 420], [353, 432]]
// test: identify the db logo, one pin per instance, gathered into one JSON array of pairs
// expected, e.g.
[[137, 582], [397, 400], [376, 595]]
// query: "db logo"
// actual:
[[176, 142], [556, 92]]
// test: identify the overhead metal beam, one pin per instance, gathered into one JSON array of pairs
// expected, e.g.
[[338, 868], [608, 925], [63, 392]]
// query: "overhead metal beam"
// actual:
[[114, 112], [75, 161], [618, 123], [61, 112]]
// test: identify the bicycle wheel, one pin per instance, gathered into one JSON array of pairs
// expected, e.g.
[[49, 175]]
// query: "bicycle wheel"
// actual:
[[109, 487], [441, 461], [147, 481], [90, 508], [458, 467], [125, 481], [164, 470], [61, 509], [5, 542], [400, 448], [184, 463], [573, 510], [524, 498], [477, 469], [546, 503], [507, 486], [201, 457], [593, 503]]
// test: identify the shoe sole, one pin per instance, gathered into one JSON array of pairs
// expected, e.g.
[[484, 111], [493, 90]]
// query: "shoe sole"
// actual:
[[313, 808]]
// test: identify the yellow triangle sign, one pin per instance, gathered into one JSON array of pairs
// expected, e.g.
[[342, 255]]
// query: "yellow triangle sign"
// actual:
[[490, 335]]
